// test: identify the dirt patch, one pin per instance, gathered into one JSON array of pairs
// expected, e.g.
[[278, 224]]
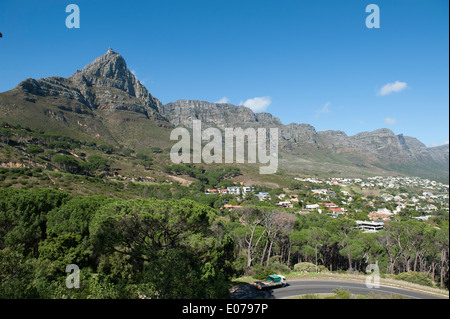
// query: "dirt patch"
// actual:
[[180, 180]]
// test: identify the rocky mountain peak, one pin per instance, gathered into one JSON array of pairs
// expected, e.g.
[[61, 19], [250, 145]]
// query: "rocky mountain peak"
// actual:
[[106, 83], [109, 65], [110, 72]]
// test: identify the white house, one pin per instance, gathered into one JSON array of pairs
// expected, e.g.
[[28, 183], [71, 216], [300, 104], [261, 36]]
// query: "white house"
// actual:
[[384, 211], [234, 190], [246, 189], [263, 196], [371, 227]]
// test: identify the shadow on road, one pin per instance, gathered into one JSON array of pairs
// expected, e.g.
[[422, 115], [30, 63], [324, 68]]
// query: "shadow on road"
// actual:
[[248, 291]]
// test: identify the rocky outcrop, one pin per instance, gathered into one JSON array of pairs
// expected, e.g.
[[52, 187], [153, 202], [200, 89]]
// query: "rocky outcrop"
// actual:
[[440, 154], [381, 145], [104, 84], [220, 115]]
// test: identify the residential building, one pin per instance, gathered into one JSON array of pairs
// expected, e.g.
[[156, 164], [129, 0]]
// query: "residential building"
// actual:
[[370, 227], [234, 190], [263, 196]]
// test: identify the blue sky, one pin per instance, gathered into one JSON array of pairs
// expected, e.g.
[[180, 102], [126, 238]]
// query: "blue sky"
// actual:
[[307, 61]]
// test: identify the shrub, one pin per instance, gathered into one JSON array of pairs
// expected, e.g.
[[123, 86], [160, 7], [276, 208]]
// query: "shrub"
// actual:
[[59, 144], [34, 150], [279, 268], [261, 272], [305, 267], [341, 294], [415, 277], [322, 268], [97, 162]]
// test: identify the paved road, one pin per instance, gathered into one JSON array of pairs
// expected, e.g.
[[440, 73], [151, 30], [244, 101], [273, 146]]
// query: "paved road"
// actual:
[[311, 286]]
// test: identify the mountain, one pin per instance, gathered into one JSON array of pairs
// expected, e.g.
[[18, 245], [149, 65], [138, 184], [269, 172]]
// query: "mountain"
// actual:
[[379, 149], [105, 102]]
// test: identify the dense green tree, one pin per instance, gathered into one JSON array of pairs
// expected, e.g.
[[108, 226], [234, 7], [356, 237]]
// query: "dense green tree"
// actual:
[[169, 242], [23, 216]]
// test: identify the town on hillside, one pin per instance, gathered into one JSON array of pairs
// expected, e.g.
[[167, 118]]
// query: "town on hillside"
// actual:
[[371, 201]]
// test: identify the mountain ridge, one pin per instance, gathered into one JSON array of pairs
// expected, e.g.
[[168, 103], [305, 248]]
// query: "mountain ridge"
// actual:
[[105, 100]]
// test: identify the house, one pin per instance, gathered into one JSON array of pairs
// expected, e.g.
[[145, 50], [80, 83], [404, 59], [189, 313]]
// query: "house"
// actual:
[[263, 196], [387, 197], [384, 211], [223, 191], [337, 210], [329, 205], [285, 204], [311, 207], [246, 189], [370, 227], [431, 207], [234, 190], [379, 216], [423, 218]]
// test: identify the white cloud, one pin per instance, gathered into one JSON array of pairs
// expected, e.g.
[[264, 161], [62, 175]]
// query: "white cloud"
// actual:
[[223, 100], [433, 144], [390, 121], [392, 87], [257, 104], [325, 108]]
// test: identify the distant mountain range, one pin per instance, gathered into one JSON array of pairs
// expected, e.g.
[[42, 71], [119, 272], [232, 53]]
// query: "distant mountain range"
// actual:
[[105, 101]]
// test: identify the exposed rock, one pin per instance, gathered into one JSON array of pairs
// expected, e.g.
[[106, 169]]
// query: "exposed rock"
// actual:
[[106, 99], [106, 84]]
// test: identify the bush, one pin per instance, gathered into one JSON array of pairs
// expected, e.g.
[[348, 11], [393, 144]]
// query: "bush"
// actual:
[[34, 150], [341, 294], [59, 144], [261, 272], [280, 268], [322, 268], [97, 162], [415, 277], [305, 267]]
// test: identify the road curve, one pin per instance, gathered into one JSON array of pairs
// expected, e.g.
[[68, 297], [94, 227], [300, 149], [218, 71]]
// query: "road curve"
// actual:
[[306, 286], [298, 287]]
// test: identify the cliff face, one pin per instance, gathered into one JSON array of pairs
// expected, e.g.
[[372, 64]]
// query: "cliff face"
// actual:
[[231, 116], [440, 154], [215, 114], [105, 100], [380, 147]]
